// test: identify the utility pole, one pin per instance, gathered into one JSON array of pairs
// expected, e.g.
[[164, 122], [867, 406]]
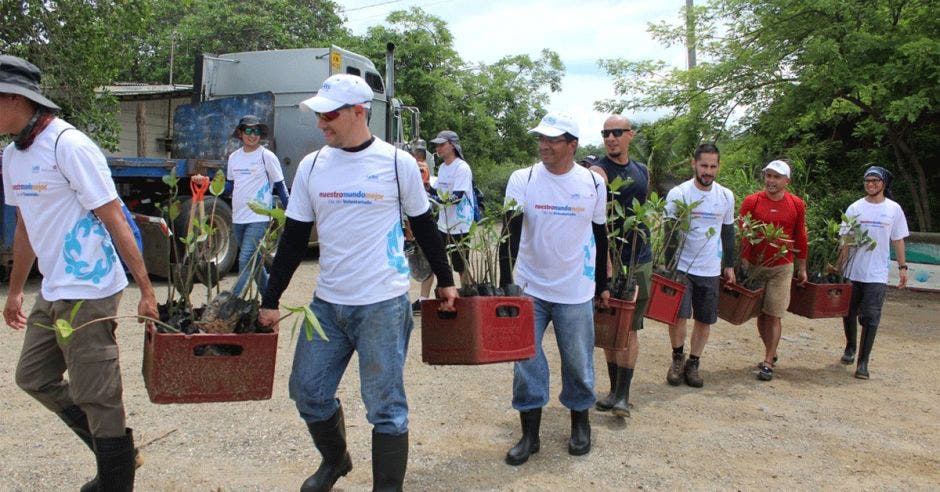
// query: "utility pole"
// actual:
[[690, 32]]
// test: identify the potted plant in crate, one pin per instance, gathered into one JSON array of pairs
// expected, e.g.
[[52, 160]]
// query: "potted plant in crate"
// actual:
[[612, 325], [217, 351], [742, 300], [831, 252], [668, 234], [490, 323]]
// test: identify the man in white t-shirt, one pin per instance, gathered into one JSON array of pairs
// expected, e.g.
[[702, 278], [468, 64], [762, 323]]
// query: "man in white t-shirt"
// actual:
[[559, 242], [453, 191], [256, 176], [883, 219], [707, 245], [355, 189], [70, 219]]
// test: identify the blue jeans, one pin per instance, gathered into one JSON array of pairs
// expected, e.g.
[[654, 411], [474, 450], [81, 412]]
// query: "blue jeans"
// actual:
[[574, 332], [247, 237], [379, 333]]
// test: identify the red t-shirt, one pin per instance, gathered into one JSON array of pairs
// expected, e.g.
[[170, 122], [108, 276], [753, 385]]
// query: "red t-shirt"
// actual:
[[788, 213]]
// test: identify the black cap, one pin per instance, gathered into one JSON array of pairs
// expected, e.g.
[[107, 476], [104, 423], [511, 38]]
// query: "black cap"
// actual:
[[18, 76]]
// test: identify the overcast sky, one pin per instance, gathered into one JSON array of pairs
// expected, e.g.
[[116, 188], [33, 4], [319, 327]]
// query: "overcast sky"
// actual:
[[581, 32]]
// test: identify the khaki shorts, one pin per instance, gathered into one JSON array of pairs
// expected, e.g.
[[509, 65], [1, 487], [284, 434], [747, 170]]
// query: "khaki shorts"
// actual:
[[776, 282]]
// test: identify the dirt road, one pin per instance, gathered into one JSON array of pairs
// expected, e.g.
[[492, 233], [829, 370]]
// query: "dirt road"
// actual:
[[813, 427]]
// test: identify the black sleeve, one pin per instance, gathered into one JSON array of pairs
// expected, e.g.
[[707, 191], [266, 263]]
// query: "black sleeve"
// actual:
[[727, 245], [290, 251], [509, 248], [429, 239], [600, 259]]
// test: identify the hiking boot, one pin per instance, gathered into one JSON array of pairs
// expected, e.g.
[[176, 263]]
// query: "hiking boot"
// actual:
[[848, 356], [691, 375], [674, 376], [861, 372], [766, 373]]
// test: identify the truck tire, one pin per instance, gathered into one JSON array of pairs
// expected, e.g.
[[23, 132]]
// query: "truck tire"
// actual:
[[224, 250]]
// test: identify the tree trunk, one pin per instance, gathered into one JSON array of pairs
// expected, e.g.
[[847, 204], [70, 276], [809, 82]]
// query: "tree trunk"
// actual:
[[920, 212]]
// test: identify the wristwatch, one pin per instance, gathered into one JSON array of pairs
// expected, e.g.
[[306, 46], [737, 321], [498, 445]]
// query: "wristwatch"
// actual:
[[902, 267]]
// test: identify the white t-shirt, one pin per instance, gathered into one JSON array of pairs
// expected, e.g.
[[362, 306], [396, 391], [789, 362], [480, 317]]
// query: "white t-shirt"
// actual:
[[253, 175], [884, 222], [456, 176], [76, 256], [353, 198], [556, 251], [701, 254]]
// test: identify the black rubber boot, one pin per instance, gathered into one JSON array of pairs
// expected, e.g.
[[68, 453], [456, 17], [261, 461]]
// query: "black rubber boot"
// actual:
[[116, 463], [621, 406], [606, 403], [868, 340], [389, 461], [329, 436], [529, 444], [75, 418], [850, 326], [580, 442]]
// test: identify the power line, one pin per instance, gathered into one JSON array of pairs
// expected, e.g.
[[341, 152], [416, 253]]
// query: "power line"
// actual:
[[370, 6]]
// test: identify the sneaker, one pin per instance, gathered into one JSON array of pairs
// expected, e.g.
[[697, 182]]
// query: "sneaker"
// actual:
[[674, 376], [692, 377], [766, 373], [848, 356], [416, 307], [772, 364]]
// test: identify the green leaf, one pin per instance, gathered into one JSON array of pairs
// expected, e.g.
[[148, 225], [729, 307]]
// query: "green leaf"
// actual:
[[217, 187]]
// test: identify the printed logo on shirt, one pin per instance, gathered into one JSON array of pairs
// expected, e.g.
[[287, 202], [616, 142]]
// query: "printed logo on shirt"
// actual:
[[93, 269], [351, 197], [35, 169], [29, 189], [372, 177], [393, 250], [263, 193], [549, 209], [589, 267], [875, 224]]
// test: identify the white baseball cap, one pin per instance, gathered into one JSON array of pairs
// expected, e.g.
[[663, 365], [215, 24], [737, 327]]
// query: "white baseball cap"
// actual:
[[779, 167], [557, 124], [339, 90]]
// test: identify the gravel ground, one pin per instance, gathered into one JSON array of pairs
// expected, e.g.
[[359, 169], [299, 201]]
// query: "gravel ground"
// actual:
[[812, 427]]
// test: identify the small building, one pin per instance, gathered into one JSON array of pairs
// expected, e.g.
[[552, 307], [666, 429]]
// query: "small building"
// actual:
[[146, 117]]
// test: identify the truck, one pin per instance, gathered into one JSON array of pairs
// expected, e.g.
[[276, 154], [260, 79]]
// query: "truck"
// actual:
[[270, 85]]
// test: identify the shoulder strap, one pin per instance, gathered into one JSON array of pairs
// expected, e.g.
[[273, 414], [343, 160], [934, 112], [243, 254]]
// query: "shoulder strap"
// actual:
[[55, 153]]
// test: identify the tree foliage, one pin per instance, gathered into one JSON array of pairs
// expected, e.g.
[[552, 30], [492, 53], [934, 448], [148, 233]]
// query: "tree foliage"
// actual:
[[839, 83]]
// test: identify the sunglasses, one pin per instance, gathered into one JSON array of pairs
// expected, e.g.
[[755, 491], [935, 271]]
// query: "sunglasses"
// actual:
[[332, 115], [252, 131], [618, 132]]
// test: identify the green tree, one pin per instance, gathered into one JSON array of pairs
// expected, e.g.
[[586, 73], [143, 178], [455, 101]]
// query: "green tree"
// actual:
[[79, 46], [843, 81]]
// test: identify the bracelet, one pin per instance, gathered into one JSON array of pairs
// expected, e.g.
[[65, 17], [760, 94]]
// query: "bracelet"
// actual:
[[902, 267]]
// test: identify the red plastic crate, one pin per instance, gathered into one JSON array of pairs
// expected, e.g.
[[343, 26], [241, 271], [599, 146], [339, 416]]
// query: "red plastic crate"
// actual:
[[477, 333], [173, 373], [665, 299], [820, 300], [612, 326], [737, 304]]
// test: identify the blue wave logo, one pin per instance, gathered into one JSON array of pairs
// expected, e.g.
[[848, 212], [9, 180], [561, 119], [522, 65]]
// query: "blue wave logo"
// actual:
[[88, 226], [393, 250]]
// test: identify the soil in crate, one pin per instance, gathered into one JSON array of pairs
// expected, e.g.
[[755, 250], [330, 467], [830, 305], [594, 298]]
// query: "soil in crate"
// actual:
[[483, 330]]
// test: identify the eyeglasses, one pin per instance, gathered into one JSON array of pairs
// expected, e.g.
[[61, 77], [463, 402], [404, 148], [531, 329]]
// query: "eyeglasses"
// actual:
[[872, 181], [552, 140], [332, 115], [252, 131], [618, 132]]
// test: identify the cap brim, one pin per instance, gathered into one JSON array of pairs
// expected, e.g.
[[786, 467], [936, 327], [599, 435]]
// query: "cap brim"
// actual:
[[548, 131], [28, 94], [438, 141], [320, 104]]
